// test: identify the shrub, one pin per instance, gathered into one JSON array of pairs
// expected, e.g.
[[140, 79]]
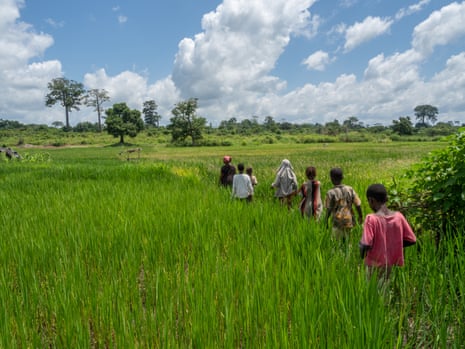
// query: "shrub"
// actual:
[[432, 192]]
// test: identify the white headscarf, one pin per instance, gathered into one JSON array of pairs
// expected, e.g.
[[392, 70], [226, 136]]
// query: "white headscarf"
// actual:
[[285, 168], [286, 180]]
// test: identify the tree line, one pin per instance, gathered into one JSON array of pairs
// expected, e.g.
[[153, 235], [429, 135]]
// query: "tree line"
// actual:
[[120, 120], [186, 127]]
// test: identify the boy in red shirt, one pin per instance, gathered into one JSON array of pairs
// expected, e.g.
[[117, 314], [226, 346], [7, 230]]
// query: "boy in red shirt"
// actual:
[[385, 234]]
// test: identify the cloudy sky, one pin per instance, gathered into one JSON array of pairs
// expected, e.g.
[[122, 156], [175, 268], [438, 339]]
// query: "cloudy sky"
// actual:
[[294, 60]]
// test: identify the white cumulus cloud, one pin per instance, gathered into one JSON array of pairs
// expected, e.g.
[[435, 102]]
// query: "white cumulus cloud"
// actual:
[[317, 60], [411, 9], [23, 85], [361, 32], [230, 67], [440, 28]]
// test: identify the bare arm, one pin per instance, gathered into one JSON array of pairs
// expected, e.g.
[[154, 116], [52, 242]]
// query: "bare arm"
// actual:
[[363, 250], [327, 216], [359, 213]]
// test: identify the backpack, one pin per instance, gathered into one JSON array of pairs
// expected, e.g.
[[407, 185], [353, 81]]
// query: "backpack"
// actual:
[[343, 217]]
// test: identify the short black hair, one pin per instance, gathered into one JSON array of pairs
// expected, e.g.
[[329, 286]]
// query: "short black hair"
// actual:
[[240, 167], [310, 172], [378, 192], [336, 174]]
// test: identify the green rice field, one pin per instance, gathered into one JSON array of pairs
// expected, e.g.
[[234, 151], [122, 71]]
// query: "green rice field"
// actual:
[[101, 252]]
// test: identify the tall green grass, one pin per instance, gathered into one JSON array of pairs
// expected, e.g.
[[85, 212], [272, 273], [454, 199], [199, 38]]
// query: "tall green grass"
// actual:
[[99, 252]]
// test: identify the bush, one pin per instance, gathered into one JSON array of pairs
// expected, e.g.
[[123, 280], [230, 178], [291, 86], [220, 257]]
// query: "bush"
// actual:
[[432, 192], [352, 137]]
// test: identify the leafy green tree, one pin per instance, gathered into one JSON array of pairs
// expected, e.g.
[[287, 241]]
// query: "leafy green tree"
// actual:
[[95, 98], [376, 128], [68, 92], [269, 124], [432, 192], [86, 126], [122, 121], [246, 127], [186, 123], [333, 128], [403, 126], [352, 123], [426, 112], [151, 116], [58, 124], [285, 126], [442, 129], [10, 124], [228, 126]]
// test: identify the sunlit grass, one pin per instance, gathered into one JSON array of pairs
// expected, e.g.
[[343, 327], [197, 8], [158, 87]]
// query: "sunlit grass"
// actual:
[[98, 251]]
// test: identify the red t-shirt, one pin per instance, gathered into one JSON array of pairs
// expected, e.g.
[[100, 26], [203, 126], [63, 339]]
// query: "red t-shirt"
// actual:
[[386, 235]]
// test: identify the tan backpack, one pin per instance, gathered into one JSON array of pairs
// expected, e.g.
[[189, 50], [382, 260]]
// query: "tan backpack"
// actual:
[[343, 216]]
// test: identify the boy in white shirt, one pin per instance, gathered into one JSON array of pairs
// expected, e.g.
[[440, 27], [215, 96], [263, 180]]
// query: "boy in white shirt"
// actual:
[[242, 185]]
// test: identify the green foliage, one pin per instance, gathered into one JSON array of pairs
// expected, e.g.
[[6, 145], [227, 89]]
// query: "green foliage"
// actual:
[[186, 123], [231, 132], [426, 112], [439, 129], [151, 116], [123, 121], [332, 128], [432, 192], [86, 126], [403, 126], [100, 252], [9, 124], [95, 98], [36, 157], [68, 92]]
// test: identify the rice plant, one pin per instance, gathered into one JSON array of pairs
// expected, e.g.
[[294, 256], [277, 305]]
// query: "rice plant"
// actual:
[[98, 251]]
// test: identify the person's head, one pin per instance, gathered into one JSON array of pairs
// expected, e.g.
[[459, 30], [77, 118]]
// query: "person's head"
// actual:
[[240, 168], [310, 172], [336, 175], [249, 171], [285, 166], [227, 159], [376, 196]]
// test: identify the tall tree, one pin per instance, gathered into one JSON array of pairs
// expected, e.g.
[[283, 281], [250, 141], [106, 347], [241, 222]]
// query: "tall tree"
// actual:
[[122, 121], [68, 92], [95, 98], [151, 116], [185, 122], [426, 112], [270, 124]]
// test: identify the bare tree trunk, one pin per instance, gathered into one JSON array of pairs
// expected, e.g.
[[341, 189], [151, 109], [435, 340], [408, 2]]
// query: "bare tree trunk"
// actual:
[[67, 117], [99, 120]]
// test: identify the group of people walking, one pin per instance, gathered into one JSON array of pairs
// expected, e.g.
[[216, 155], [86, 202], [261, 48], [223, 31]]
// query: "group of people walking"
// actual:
[[385, 232], [242, 183]]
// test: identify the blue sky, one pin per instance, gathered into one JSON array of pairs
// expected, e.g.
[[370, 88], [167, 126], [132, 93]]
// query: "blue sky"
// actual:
[[295, 60]]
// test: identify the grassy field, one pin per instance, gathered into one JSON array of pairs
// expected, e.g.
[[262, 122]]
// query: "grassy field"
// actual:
[[101, 252]]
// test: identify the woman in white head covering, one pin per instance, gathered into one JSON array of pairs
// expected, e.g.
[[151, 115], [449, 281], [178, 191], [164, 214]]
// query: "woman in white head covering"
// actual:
[[285, 183]]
